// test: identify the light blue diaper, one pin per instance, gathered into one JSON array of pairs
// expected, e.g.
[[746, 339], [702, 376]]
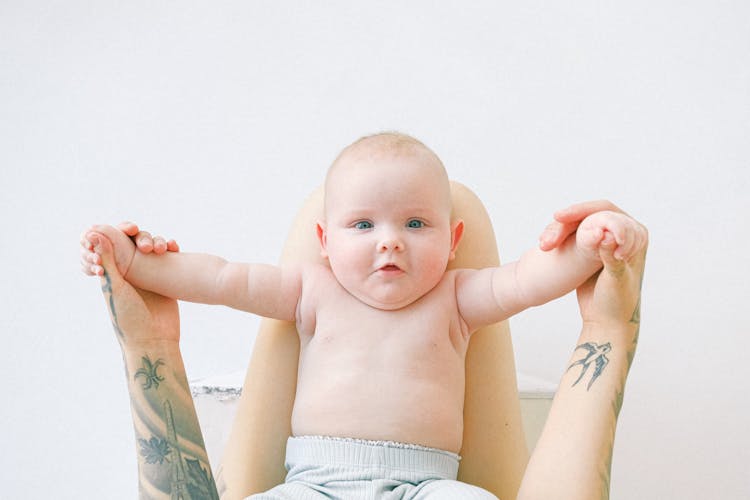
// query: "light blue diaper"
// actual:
[[352, 469]]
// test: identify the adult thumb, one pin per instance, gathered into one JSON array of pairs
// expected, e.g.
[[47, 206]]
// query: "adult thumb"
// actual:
[[104, 248], [607, 254]]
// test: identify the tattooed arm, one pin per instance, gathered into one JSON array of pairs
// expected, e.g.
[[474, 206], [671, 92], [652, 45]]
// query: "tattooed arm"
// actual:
[[573, 457], [172, 459]]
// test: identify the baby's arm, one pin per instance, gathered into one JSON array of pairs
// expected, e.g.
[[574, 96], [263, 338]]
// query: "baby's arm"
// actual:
[[265, 290], [491, 295]]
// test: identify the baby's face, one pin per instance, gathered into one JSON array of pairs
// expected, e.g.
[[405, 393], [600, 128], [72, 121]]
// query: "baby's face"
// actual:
[[388, 234]]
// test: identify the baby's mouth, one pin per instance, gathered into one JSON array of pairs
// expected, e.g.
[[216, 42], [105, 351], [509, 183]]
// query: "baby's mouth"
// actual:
[[390, 268]]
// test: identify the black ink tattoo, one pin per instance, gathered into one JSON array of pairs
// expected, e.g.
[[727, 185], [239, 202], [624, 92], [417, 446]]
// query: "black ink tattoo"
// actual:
[[617, 403], [107, 289], [149, 372], [636, 317], [173, 462], [636, 320], [595, 354], [178, 482], [155, 450], [188, 479], [200, 483]]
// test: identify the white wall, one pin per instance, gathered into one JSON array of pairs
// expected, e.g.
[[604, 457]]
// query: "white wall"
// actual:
[[210, 121]]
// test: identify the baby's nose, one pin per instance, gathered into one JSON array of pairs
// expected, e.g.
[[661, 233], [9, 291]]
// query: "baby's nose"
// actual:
[[391, 242]]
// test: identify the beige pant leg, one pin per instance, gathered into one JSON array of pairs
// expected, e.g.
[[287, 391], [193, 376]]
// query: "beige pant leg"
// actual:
[[494, 453], [253, 460]]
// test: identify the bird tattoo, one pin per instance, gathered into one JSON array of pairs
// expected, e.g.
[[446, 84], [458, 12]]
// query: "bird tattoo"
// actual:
[[595, 354]]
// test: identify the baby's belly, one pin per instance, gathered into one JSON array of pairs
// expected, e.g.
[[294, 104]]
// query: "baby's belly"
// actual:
[[398, 399]]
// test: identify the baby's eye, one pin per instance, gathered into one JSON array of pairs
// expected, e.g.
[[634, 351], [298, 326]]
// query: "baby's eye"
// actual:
[[415, 223], [363, 224]]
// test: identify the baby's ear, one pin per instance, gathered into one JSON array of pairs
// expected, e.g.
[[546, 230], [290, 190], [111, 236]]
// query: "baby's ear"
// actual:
[[457, 232], [320, 229]]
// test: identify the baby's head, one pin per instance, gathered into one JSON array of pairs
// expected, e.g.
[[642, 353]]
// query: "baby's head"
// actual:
[[387, 231]]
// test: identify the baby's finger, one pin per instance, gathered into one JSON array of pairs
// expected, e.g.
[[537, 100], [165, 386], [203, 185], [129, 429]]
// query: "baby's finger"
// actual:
[[625, 230], [613, 222], [160, 245], [589, 236], [144, 242], [637, 240], [172, 246], [626, 249]]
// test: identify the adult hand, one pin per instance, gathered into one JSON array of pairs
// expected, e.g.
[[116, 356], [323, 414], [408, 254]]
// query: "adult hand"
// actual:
[[613, 294], [138, 316], [126, 237]]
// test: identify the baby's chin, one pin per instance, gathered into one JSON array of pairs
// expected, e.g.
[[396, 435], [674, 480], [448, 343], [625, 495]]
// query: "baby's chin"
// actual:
[[390, 302]]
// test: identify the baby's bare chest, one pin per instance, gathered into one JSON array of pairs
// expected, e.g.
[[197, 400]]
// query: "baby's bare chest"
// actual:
[[347, 329]]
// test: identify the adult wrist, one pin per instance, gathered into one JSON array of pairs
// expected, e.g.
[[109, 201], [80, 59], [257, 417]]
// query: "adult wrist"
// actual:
[[150, 345], [610, 328]]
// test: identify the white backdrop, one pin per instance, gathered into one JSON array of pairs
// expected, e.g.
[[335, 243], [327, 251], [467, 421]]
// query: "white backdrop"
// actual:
[[210, 121]]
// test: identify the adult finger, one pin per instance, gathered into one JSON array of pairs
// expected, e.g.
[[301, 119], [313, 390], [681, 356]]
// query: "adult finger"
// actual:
[[555, 233], [87, 269], [103, 247], [580, 211], [88, 258], [607, 249], [90, 268], [129, 228], [85, 243]]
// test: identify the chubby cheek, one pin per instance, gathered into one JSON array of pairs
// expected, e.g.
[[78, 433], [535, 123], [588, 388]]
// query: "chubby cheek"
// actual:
[[347, 262], [439, 265], [433, 266]]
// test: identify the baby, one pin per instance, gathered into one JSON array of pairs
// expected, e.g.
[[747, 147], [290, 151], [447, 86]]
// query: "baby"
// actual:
[[384, 328]]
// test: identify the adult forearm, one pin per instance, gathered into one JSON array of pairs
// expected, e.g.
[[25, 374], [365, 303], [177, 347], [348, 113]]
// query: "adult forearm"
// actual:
[[172, 459], [573, 457]]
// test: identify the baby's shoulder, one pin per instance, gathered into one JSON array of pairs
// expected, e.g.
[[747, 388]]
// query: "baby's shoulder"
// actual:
[[450, 277], [317, 278], [316, 272], [446, 287], [317, 282]]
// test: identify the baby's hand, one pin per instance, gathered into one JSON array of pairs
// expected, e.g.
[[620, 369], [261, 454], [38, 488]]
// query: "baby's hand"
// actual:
[[147, 243], [613, 233], [124, 238]]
